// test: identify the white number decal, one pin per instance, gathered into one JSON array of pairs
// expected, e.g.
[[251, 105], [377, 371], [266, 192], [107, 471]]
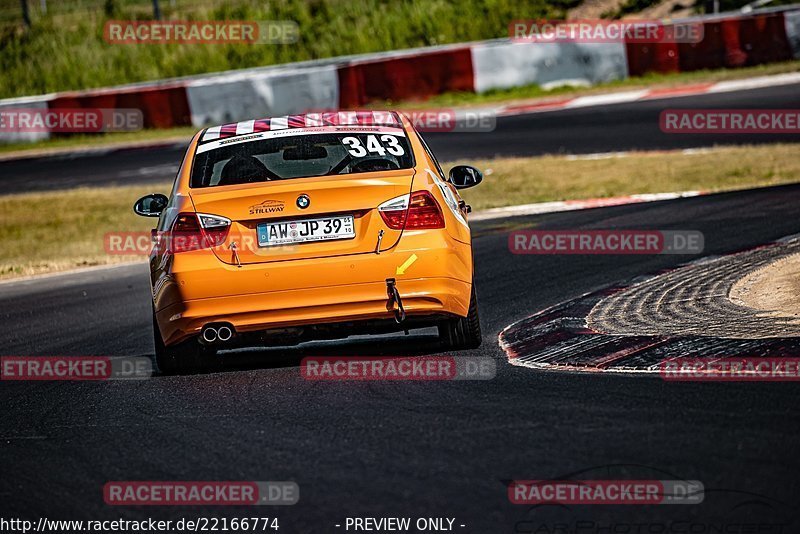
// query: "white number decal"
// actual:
[[356, 150], [374, 146], [394, 147]]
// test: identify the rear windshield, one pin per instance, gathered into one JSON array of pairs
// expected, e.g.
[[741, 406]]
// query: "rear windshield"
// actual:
[[246, 160]]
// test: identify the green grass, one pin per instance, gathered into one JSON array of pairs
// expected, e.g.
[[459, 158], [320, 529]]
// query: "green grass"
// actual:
[[59, 230], [65, 49]]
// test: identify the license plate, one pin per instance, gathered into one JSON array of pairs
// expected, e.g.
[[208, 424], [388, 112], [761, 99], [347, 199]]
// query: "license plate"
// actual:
[[302, 231]]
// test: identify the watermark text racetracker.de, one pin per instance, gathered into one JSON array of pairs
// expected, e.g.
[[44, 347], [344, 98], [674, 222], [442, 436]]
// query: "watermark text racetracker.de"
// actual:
[[70, 120], [69, 368], [620, 492], [411, 368], [201, 493], [730, 121], [731, 369], [129, 32], [604, 31], [606, 242]]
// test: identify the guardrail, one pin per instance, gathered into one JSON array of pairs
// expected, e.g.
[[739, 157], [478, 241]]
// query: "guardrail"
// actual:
[[730, 40]]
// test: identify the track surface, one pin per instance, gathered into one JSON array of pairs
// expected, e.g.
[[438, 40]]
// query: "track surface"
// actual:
[[618, 127], [385, 449]]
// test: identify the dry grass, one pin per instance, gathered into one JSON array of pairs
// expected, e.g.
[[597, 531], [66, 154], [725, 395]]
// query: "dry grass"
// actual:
[[53, 231], [523, 180], [59, 230]]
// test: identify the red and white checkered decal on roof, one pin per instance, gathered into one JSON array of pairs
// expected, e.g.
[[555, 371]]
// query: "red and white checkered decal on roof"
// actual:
[[308, 120]]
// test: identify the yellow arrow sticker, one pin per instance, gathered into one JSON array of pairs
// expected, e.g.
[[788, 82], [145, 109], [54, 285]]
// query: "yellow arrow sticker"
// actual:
[[406, 264]]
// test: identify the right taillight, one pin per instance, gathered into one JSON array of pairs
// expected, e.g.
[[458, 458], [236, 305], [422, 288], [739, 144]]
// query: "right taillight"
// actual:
[[417, 211], [424, 211]]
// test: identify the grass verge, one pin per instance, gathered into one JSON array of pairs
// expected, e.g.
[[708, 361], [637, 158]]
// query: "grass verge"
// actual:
[[60, 230]]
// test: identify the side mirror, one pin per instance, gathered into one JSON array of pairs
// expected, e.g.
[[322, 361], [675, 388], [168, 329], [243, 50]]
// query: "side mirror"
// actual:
[[464, 176], [151, 205]]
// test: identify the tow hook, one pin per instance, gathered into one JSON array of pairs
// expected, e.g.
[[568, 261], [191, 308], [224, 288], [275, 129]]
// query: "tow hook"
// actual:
[[234, 252], [394, 298]]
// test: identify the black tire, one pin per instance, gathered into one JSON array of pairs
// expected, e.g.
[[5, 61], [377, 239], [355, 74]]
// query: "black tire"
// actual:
[[462, 332], [183, 358]]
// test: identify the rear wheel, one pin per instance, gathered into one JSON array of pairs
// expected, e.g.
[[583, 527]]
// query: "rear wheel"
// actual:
[[183, 358], [462, 332]]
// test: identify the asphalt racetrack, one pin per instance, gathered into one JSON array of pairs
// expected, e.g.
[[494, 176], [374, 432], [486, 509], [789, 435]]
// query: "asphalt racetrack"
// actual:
[[596, 129], [430, 449], [399, 448]]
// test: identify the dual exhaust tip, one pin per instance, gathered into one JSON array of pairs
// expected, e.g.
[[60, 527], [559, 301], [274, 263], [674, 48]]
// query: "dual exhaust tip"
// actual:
[[217, 333]]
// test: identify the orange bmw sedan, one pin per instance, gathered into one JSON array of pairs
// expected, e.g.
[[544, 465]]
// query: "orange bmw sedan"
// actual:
[[315, 226]]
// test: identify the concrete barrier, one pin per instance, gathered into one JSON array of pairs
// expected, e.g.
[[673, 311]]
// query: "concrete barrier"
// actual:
[[33, 102], [505, 64], [219, 100], [731, 40], [791, 20]]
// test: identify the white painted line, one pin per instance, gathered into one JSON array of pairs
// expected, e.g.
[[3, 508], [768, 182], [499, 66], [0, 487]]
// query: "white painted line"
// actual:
[[755, 83], [23, 280], [540, 106], [603, 100], [575, 205]]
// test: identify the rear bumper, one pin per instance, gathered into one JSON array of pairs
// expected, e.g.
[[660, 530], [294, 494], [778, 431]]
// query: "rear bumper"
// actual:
[[200, 289]]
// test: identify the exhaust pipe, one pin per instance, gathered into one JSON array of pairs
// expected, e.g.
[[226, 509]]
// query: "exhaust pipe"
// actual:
[[224, 333], [209, 334], [216, 333]]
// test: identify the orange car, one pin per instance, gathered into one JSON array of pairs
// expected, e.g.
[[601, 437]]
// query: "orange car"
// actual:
[[315, 226]]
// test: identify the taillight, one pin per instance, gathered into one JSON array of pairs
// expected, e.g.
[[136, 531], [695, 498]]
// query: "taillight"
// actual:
[[424, 211], [195, 231], [393, 212], [418, 211]]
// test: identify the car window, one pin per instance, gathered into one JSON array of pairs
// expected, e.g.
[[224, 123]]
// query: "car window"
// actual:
[[233, 161]]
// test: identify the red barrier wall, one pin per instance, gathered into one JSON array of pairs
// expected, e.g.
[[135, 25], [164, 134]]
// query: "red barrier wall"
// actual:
[[414, 77], [161, 107], [657, 57], [728, 43]]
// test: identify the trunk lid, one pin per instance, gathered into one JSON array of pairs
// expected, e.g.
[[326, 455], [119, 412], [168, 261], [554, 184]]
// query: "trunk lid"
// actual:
[[273, 210]]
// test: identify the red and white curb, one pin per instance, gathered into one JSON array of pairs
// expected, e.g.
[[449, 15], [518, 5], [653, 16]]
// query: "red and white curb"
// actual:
[[575, 205]]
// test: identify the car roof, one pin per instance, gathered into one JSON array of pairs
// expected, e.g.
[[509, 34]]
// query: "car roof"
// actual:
[[329, 120]]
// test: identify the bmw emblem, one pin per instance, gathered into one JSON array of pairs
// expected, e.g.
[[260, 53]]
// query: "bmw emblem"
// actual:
[[303, 201]]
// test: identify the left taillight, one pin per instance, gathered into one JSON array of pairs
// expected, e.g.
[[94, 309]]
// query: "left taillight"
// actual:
[[195, 231]]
